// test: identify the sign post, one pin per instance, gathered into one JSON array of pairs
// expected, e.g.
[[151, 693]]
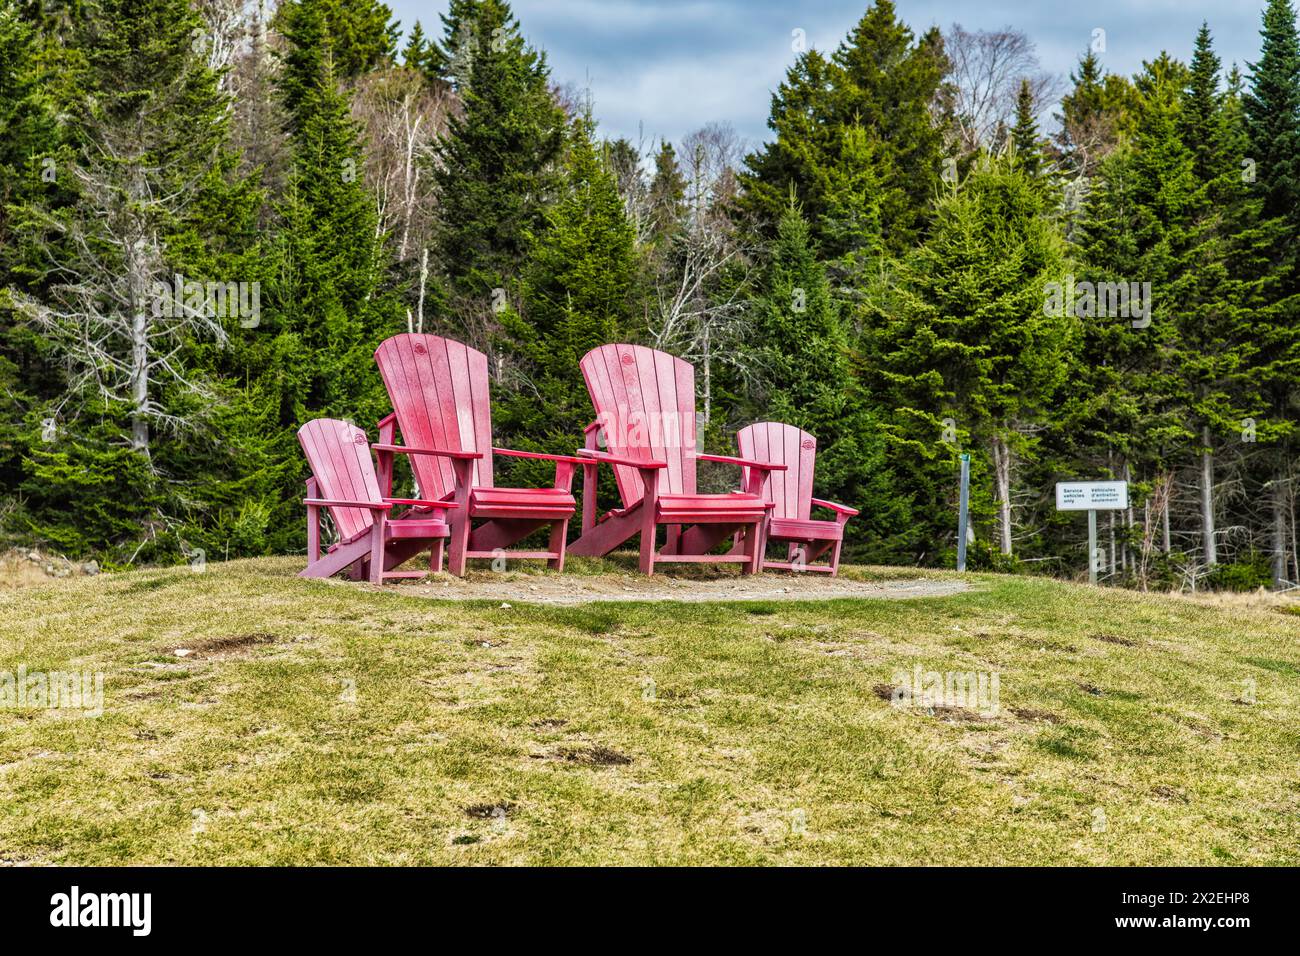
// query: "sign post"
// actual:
[[1092, 546], [1092, 496], [963, 511]]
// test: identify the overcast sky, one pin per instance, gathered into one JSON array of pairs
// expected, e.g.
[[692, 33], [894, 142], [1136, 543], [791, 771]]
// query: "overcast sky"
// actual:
[[665, 67]]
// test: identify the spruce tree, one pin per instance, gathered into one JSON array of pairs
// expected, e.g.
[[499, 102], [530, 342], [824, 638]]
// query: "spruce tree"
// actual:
[[852, 190], [496, 162], [887, 82], [415, 55], [453, 58], [801, 351], [968, 355], [148, 164], [803, 121], [363, 33], [1025, 137], [881, 80], [1096, 115], [30, 157], [332, 303], [1213, 344], [667, 194], [577, 292], [1272, 121]]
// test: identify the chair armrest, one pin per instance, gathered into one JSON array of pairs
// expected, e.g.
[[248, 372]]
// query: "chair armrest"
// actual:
[[442, 452], [742, 462], [332, 503], [537, 455], [421, 503], [838, 509], [588, 453]]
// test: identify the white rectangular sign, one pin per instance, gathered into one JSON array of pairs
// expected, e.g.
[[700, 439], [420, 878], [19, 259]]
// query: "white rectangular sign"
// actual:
[[1091, 495]]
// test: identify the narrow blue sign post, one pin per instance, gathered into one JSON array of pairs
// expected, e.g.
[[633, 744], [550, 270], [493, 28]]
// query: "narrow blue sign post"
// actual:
[[963, 511]]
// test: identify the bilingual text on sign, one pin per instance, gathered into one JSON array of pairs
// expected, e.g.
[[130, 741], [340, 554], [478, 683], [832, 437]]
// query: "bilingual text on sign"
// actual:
[[1091, 495]]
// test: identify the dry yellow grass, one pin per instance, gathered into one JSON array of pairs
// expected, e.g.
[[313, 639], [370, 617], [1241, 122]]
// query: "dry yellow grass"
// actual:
[[330, 722]]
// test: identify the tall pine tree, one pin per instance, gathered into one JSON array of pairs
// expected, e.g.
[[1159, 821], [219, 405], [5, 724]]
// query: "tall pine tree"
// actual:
[[496, 165], [1272, 119]]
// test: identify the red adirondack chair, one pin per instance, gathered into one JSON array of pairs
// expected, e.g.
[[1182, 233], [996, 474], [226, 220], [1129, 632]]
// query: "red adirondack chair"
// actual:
[[439, 391], [790, 492], [645, 411], [344, 483]]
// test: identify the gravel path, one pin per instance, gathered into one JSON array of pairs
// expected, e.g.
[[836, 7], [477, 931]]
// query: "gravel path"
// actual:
[[577, 589]]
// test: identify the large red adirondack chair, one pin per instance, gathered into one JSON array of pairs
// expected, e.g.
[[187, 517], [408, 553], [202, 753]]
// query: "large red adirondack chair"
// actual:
[[790, 492], [344, 483], [645, 411], [441, 408]]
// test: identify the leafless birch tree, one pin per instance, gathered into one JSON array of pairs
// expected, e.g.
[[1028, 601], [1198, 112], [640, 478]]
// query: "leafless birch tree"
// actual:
[[987, 67], [120, 339]]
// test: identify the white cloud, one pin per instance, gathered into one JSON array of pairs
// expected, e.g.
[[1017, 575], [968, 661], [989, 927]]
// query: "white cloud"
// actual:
[[675, 65]]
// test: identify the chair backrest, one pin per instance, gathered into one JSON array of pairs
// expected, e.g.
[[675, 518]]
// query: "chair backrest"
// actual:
[[645, 404], [782, 444], [439, 391], [338, 454]]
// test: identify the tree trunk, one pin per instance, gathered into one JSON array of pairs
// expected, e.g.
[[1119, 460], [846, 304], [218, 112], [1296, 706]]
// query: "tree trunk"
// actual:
[[1295, 552], [138, 376], [708, 377], [139, 382], [1002, 477], [1207, 500], [1164, 519], [1110, 523], [1129, 520], [1279, 530]]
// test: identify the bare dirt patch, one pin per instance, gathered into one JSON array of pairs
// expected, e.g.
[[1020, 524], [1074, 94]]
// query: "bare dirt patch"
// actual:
[[1035, 715], [489, 811], [578, 589], [598, 755], [885, 691], [888, 692], [224, 646], [1114, 639]]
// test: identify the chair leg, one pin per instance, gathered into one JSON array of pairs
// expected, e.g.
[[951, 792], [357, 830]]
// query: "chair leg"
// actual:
[[559, 532], [753, 548], [673, 540], [648, 529], [313, 535], [835, 559], [377, 549], [435, 555], [649, 512], [459, 543]]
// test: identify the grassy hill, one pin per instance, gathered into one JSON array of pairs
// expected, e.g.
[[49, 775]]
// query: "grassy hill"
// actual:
[[254, 718]]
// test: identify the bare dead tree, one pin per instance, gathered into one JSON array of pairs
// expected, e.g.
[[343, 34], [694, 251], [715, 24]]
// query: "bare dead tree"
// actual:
[[230, 29], [697, 315], [120, 340], [258, 126], [403, 117], [630, 178], [987, 68]]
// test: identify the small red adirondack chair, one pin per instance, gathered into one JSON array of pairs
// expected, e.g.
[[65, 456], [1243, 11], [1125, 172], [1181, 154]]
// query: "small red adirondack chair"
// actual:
[[645, 411], [344, 483], [441, 408], [791, 519]]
